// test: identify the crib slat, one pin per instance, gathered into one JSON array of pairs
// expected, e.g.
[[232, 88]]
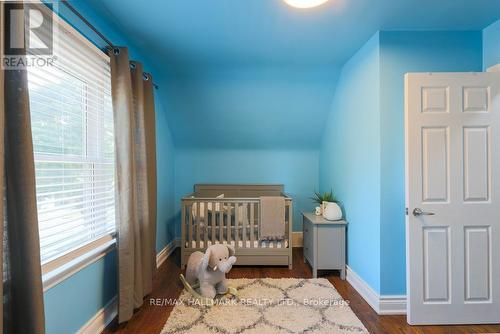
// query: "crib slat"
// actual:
[[228, 222], [221, 223], [252, 223], [190, 226], [236, 221], [206, 226], [198, 244], [214, 222], [244, 207], [257, 226]]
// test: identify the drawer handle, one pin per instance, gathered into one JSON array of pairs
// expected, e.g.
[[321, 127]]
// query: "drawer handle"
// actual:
[[307, 230], [307, 248]]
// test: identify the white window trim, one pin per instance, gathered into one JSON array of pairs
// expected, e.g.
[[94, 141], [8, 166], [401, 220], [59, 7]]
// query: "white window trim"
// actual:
[[75, 254], [66, 265], [57, 270]]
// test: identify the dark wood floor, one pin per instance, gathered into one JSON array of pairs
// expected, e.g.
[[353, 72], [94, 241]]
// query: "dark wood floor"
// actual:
[[150, 319]]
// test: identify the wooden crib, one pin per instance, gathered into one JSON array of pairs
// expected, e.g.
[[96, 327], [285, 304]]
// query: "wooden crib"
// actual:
[[208, 218]]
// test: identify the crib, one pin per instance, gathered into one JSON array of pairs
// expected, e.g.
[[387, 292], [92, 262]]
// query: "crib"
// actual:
[[208, 218]]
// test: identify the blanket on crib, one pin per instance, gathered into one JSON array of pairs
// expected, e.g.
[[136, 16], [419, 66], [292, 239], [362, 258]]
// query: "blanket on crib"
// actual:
[[272, 218]]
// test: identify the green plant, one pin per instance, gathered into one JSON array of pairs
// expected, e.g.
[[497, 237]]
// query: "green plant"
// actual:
[[325, 197]]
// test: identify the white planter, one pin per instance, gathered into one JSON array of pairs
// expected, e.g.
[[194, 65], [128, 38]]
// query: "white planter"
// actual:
[[332, 211]]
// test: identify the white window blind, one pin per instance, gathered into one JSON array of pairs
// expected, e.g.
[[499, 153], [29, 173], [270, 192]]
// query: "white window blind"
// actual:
[[73, 138]]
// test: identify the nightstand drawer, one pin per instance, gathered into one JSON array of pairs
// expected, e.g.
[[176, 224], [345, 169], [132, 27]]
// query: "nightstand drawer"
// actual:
[[330, 242]]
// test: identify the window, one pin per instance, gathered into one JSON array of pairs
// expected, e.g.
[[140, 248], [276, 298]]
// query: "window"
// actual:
[[73, 139]]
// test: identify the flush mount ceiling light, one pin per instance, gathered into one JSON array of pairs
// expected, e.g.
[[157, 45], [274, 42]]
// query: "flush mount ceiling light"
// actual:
[[305, 3]]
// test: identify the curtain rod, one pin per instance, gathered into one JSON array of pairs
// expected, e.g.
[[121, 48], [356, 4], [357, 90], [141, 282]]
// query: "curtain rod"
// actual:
[[94, 29]]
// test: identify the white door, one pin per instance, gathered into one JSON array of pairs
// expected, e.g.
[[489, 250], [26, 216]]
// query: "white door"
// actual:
[[453, 197]]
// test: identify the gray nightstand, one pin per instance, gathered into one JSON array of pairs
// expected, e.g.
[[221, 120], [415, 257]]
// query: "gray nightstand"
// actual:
[[324, 243]]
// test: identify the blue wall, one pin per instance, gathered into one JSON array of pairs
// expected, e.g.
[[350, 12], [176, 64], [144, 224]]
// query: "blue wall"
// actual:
[[249, 107], [350, 158], [403, 52], [165, 164], [246, 124], [362, 155], [71, 303], [491, 45], [296, 169]]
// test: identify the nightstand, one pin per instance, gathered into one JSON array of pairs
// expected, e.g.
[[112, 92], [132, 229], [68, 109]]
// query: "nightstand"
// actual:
[[324, 243]]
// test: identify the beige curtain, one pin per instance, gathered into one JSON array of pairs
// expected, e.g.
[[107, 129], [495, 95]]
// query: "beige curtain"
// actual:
[[135, 206], [22, 289]]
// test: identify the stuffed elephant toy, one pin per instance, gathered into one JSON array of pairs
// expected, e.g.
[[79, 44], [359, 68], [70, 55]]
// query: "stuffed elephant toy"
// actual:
[[210, 269]]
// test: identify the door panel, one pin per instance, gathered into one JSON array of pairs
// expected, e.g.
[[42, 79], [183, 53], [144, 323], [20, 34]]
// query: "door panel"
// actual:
[[476, 164], [452, 123], [477, 263], [435, 164], [436, 264], [435, 99], [476, 99]]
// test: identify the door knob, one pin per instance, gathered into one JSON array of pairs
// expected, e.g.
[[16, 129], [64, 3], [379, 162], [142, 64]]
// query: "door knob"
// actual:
[[418, 212]]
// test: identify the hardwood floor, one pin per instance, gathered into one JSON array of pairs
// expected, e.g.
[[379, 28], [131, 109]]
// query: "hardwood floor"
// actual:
[[150, 319]]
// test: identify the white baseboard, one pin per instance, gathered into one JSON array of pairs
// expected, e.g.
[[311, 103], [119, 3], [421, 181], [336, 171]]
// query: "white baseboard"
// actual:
[[165, 252], [495, 68], [101, 319], [392, 305], [297, 239], [105, 315], [382, 304]]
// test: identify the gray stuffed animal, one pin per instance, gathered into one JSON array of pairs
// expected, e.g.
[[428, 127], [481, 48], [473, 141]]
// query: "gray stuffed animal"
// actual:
[[210, 269]]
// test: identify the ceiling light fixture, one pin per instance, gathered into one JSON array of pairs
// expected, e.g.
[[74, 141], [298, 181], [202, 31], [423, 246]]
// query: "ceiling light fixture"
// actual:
[[305, 3]]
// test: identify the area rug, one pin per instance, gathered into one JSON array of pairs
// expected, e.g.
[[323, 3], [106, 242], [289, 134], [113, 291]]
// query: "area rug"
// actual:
[[268, 306]]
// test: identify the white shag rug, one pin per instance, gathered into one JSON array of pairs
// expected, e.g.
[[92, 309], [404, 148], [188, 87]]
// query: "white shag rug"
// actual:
[[268, 306]]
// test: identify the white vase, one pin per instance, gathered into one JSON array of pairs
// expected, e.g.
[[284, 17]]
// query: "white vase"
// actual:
[[332, 211]]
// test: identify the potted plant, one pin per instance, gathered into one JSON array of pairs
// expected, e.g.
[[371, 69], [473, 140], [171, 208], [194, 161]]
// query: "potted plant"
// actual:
[[328, 206]]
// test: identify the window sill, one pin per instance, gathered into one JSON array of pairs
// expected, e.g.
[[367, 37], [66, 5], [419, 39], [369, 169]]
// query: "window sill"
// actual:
[[62, 272]]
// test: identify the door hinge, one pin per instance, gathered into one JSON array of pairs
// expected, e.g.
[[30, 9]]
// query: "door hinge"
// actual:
[[406, 211]]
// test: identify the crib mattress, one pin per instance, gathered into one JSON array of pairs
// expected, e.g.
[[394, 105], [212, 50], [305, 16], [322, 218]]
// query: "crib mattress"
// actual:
[[242, 244]]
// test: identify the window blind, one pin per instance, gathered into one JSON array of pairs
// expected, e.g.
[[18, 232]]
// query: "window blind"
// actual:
[[73, 139]]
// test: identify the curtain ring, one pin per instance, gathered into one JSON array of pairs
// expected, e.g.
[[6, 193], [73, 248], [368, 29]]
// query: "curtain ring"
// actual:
[[145, 76], [132, 65], [116, 51]]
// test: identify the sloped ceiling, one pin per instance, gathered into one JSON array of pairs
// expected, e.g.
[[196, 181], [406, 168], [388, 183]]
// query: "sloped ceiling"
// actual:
[[258, 73]]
